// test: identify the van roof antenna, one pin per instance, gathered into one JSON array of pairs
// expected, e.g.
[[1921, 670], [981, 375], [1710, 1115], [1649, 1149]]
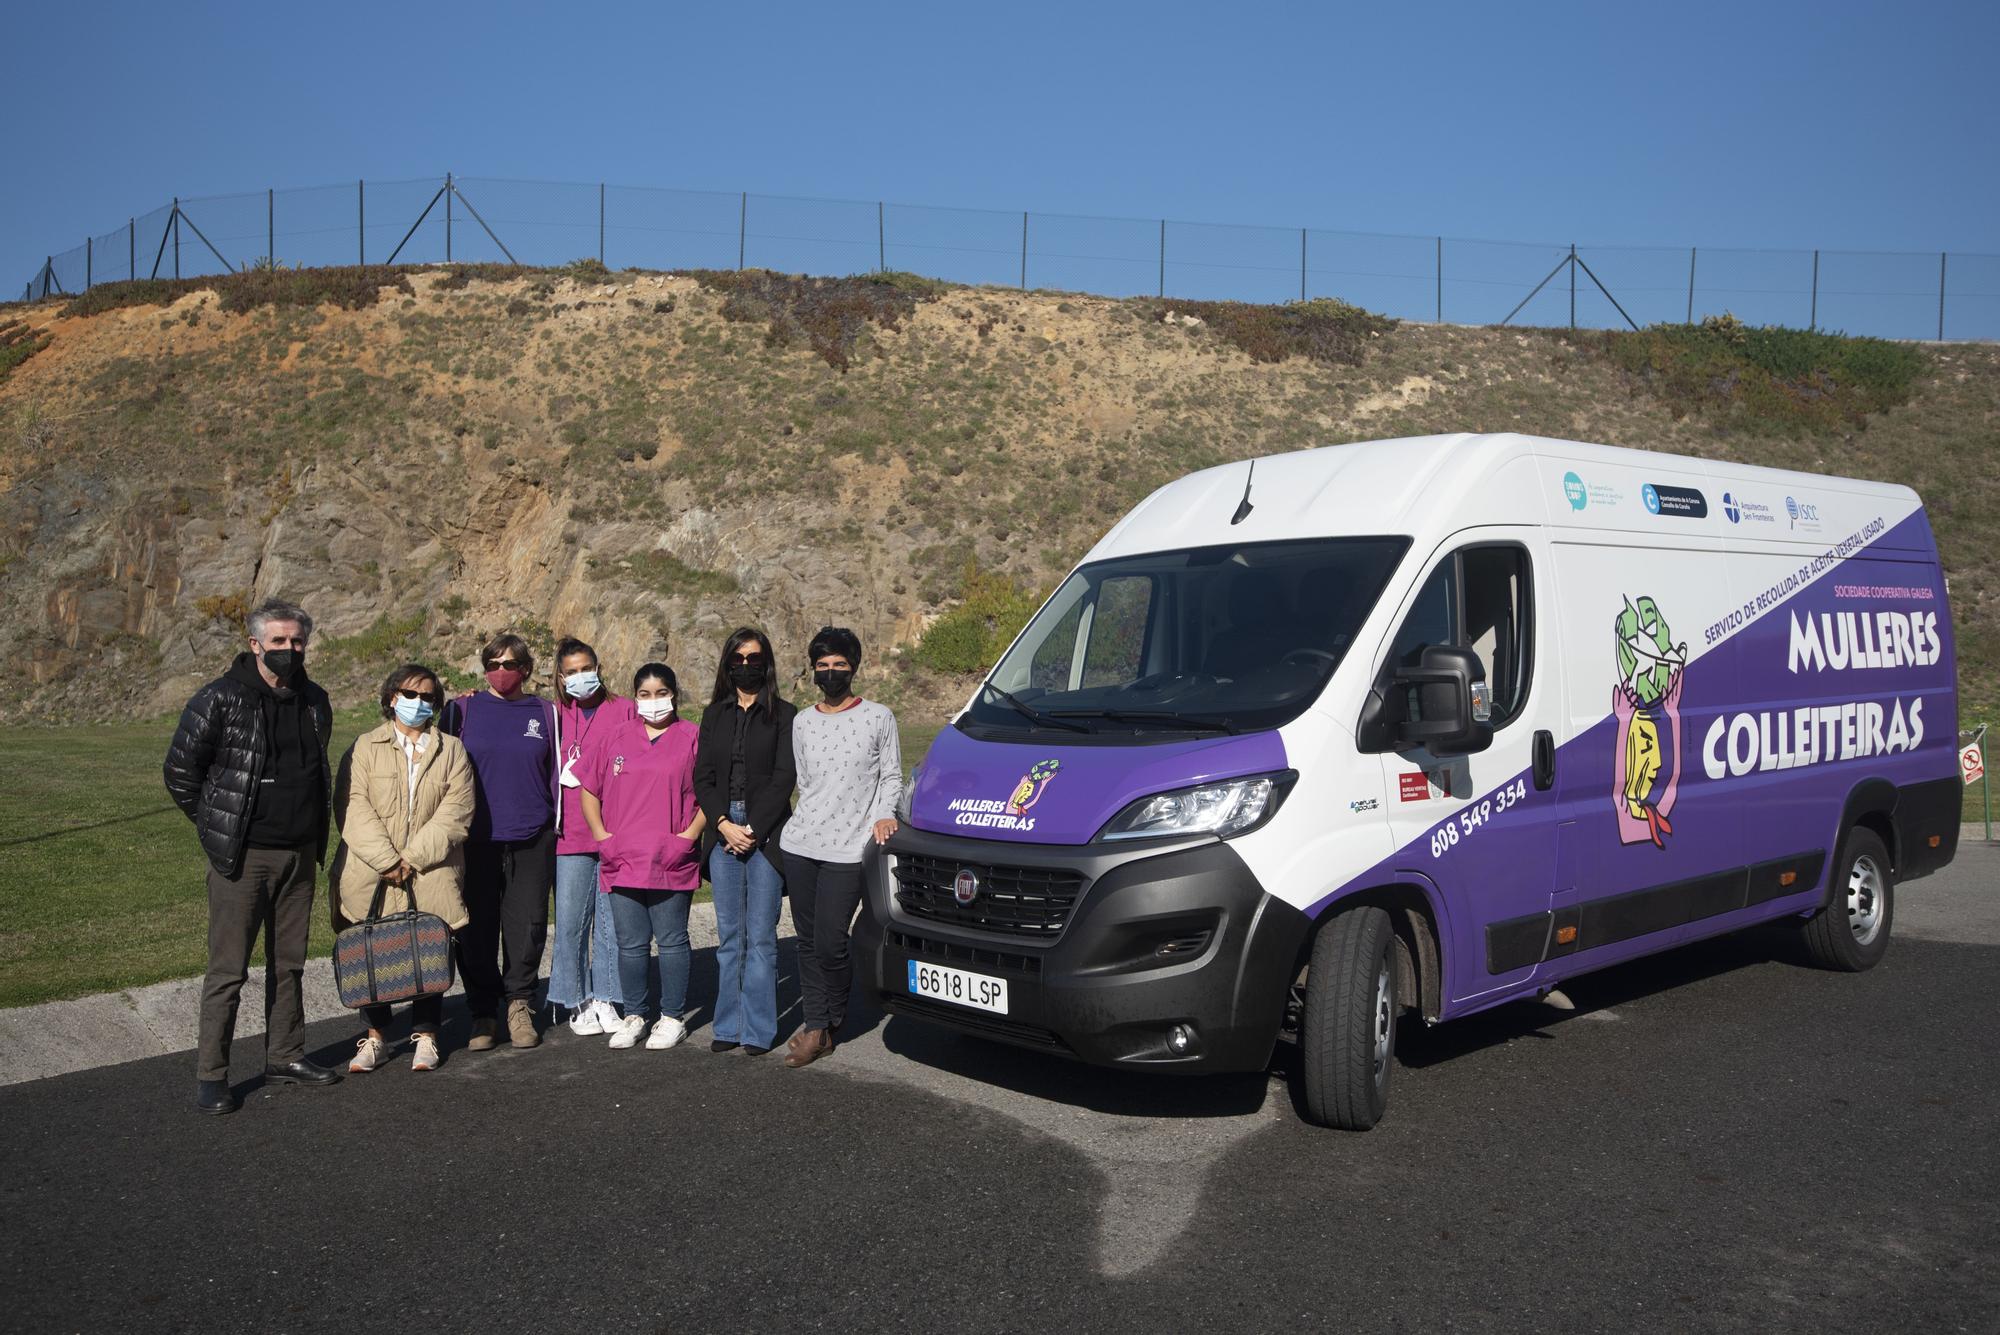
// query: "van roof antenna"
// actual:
[[1243, 507]]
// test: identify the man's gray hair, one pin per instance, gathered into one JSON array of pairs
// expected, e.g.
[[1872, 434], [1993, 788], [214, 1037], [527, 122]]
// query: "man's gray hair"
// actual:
[[277, 609]]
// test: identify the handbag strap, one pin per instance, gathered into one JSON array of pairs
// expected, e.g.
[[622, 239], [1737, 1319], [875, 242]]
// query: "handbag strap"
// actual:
[[381, 889]]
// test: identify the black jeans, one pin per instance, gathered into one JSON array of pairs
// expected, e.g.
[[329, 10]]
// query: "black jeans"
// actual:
[[273, 892], [824, 897], [426, 1015], [507, 909]]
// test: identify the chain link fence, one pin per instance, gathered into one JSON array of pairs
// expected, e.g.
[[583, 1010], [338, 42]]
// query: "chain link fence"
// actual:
[[1429, 278]]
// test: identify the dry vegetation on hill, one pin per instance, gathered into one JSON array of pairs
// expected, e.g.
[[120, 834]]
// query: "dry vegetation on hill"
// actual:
[[425, 456]]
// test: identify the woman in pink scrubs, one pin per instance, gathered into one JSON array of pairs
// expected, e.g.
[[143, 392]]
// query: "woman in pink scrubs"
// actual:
[[638, 798]]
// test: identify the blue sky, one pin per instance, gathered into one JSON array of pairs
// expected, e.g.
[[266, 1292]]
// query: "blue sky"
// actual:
[[1838, 125]]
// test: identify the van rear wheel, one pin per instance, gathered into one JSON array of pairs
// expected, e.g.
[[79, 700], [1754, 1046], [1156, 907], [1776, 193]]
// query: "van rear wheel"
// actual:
[[1347, 1036], [1851, 932]]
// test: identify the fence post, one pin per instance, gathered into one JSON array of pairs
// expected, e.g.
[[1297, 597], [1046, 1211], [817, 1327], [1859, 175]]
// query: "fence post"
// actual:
[[361, 220], [1572, 285], [447, 217], [1691, 251], [1812, 320], [271, 227], [600, 222], [1302, 264], [742, 226], [1024, 250], [881, 241], [1163, 257], [88, 267], [1941, 257], [1440, 272], [175, 223]]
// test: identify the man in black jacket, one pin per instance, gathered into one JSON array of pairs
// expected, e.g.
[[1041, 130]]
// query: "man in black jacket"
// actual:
[[248, 765]]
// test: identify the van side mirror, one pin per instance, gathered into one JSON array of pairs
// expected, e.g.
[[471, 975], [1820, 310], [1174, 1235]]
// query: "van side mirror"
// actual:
[[1447, 709]]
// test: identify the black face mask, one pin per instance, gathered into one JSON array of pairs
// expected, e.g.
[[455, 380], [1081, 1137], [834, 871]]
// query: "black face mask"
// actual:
[[282, 663], [833, 682], [746, 676]]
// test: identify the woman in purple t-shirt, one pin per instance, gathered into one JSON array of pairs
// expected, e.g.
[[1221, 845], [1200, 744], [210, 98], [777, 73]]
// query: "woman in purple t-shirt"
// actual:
[[638, 797], [514, 739]]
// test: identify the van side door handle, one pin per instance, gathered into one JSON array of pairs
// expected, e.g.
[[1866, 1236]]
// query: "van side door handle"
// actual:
[[1545, 760]]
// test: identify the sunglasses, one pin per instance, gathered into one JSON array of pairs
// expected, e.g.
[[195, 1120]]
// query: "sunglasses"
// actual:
[[510, 664], [748, 660], [435, 697]]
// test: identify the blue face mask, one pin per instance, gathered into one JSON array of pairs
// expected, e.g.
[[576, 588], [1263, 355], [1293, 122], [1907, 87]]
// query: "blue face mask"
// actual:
[[581, 685], [413, 713]]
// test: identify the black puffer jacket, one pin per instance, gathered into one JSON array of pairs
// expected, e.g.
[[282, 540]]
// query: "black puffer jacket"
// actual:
[[218, 757]]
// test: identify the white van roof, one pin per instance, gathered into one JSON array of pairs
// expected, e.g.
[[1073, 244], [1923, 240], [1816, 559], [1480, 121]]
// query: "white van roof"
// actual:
[[1429, 487]]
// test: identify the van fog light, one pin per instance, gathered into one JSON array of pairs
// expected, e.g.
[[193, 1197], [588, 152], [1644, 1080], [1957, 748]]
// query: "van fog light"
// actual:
[[1181, 1039]]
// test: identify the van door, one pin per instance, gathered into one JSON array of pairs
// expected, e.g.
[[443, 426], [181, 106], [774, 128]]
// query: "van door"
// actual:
[[1482, 828]]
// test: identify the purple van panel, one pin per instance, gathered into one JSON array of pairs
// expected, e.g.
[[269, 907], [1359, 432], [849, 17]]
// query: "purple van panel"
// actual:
[[1760, 742], [1053, 794]]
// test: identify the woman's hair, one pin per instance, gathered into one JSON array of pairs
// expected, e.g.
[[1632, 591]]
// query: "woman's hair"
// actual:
[[404, 676], [571, 645], [508, 645], [647, 671], [725, 689], [835, 640]]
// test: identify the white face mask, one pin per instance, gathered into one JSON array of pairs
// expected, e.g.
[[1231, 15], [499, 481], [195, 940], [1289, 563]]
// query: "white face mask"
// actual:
[[654, 710]]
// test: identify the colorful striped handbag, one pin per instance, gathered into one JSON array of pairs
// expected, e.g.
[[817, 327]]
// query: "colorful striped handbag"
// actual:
[[396, 958]]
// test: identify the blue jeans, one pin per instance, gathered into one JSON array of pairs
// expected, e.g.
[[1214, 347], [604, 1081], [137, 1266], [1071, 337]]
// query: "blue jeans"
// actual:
[[642, 917], [585, 967], [748, 894]]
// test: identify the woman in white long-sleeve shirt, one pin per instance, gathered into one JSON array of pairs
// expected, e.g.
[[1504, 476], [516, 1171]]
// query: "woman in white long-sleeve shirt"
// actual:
[[850, 775]]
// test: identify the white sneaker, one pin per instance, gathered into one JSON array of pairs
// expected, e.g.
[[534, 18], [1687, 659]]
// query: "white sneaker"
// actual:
[[368, 1054], [607, 1015], [585, 1022], [427, 1053], [626, 1035], [667, 1031]]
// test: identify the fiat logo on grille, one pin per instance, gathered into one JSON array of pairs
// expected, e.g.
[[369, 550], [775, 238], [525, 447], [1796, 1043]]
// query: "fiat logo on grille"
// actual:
[[965, 886]]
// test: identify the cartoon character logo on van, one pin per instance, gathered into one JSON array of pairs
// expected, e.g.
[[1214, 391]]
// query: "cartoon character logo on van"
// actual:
[[1647, 705], [1031, 787]]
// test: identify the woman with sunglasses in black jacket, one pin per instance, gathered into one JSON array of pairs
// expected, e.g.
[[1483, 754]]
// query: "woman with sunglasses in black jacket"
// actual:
[[743, 783]]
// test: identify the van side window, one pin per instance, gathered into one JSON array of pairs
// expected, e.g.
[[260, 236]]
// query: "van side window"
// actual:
[[1477, 598]]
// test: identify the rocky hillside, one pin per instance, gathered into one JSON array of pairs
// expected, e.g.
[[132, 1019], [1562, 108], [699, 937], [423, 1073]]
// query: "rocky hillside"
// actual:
[[425, 456]]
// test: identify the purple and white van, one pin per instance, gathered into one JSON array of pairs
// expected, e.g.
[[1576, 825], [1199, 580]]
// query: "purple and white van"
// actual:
[[1430, 724]]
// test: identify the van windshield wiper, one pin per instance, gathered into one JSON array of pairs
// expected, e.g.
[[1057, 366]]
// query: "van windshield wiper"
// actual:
[[1033, 714], [1167, 717]]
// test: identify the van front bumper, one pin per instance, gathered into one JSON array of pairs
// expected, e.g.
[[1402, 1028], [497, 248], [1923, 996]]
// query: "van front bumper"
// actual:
[[1172, 954]]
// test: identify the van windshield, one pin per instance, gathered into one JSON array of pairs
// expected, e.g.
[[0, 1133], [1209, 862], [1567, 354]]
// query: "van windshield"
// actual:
[[1210, 639]]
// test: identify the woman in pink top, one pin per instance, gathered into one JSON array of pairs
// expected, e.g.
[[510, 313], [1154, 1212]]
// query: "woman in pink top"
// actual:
[[638, 799]]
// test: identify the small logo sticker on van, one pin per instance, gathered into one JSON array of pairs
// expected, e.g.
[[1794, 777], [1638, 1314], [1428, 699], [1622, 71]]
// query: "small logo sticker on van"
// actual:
[[1678, 502], [1414, 786], [1573, 489], [1361, 804]]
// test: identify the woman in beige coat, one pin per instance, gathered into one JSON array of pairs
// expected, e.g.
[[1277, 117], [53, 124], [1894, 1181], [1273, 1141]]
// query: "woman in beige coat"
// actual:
[[404, 798]]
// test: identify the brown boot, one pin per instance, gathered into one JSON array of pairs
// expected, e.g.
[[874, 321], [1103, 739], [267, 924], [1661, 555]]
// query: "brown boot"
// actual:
[[485, 1034], [521, 1025], [807, 1047]]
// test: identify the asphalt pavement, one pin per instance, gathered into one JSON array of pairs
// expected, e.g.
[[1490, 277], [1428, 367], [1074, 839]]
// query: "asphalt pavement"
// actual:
[[1720, 1138]]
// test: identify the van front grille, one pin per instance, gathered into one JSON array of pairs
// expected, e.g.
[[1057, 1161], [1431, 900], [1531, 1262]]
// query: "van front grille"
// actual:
[[1030, 902]]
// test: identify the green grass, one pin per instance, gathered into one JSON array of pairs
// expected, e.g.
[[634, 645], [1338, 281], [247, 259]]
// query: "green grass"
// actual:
[[103, 886]]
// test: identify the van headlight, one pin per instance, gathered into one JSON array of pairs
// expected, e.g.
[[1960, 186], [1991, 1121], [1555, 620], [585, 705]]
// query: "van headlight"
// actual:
[[1225, 808], [909, 793]]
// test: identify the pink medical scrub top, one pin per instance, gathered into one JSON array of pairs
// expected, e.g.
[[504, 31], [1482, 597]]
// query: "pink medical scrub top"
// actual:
[[646, 787]]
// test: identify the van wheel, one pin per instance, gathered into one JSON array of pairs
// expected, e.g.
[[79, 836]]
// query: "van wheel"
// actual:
[[1852, 932], [1348, 1035]]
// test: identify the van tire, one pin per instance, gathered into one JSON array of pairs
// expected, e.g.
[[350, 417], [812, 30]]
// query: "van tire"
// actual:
[[1851, 932], [1347, 1036]]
